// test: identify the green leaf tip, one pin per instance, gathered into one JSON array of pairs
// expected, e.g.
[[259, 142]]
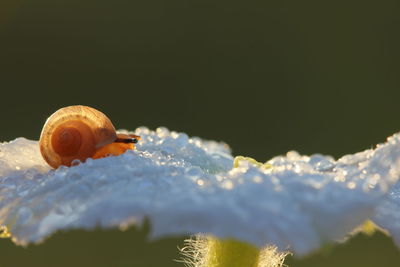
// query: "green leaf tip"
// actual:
[[4, 233], [238, 159]]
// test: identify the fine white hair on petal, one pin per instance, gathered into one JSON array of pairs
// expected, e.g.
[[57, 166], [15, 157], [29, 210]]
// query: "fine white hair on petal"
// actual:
[[195, 251], [271, 257], [188, 185]]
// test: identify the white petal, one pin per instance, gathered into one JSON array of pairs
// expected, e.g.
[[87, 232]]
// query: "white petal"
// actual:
[[187, 186]]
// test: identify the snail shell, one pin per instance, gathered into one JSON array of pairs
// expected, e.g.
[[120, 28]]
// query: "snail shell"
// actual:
[[75, 132]]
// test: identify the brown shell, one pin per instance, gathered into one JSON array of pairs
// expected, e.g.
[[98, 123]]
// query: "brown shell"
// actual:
[[81, 130]]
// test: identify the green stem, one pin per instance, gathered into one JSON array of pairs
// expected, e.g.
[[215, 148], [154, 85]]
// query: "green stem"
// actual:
[[231, 253]]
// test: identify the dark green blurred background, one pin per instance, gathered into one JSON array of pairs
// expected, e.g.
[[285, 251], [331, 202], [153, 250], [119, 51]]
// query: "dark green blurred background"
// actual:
[[264, 76]]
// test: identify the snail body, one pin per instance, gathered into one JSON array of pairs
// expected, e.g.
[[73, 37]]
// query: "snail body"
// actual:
[[78, 133]]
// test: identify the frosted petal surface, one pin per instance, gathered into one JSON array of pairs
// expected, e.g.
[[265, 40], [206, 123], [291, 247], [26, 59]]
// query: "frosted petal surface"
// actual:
[[187, 186], [387, 214]]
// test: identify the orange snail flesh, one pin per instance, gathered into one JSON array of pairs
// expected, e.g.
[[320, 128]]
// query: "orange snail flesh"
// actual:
[[78, 133], [117, 148]]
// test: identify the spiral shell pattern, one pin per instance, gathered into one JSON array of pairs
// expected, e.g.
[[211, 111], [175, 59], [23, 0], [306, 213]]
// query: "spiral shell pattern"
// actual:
[[74, 132]]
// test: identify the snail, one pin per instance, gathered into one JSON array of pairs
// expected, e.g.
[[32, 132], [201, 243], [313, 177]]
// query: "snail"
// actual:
[[78, 133]]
